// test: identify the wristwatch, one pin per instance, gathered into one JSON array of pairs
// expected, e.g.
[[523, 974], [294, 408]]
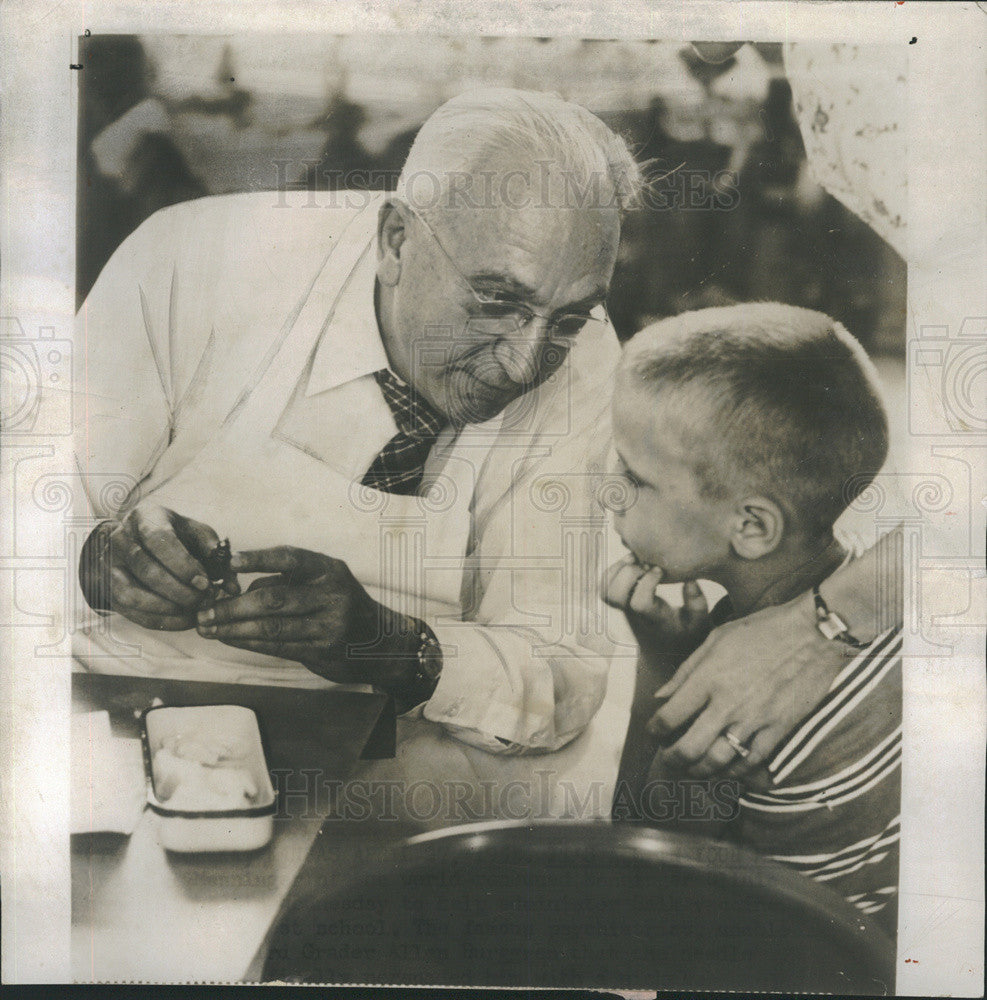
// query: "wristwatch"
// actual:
[[831, 625], [423, 683], [429, 658]]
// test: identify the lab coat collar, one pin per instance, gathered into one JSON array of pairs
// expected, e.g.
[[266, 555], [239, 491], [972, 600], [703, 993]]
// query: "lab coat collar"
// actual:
[[350, 346]]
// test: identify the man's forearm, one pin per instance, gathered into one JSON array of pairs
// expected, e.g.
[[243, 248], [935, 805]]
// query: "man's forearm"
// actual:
[[867, 593]]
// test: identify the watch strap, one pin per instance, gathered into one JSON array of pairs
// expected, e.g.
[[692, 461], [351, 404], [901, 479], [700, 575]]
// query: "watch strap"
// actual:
[[831, 626]]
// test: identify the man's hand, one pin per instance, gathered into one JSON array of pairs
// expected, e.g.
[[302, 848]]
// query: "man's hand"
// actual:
[[314, 610], [756, 677], [149, 567], [658, 627]]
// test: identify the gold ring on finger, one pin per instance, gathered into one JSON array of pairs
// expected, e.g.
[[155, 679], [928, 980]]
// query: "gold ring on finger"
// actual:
[[738, 747]]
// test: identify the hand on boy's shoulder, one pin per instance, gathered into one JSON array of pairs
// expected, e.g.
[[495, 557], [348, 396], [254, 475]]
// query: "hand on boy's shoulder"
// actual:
[[658, 626], [754, 678]]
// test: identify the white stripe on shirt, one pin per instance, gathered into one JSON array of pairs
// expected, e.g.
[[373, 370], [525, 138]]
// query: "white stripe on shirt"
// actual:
[[844, 866], [807, 740], [861, 845], [835, 794], [848, 679]]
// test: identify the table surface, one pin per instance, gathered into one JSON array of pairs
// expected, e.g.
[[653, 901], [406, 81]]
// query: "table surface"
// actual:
[[140, 913]]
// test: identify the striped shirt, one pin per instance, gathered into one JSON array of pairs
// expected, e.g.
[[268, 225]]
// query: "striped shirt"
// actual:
[[827, 803]]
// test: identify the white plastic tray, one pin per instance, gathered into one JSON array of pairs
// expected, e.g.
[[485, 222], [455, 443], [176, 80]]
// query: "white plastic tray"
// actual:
[[208, 826]]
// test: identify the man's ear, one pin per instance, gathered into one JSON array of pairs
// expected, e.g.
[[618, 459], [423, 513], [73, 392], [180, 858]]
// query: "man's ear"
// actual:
[[390, 239], [759, 526]]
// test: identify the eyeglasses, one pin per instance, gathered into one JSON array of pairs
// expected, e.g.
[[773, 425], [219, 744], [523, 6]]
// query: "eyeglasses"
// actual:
[[510, 316]]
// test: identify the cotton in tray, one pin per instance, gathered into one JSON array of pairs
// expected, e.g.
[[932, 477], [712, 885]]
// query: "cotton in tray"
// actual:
[[209, 782]]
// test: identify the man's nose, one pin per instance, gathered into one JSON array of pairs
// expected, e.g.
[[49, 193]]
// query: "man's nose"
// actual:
[[521, 353]]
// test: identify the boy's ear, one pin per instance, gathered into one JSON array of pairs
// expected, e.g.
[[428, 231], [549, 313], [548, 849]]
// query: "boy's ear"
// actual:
[[759, 526], [390, 239]]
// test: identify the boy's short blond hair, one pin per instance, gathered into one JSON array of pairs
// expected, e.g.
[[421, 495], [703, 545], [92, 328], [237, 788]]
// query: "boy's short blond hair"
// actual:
[[772, 398]]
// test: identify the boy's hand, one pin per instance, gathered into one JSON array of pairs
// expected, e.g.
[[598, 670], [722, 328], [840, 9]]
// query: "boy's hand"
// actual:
[[657, 626]]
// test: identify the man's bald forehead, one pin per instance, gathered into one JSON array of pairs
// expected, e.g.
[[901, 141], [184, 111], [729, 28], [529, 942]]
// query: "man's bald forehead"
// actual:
[[519, 250], [505, 192]]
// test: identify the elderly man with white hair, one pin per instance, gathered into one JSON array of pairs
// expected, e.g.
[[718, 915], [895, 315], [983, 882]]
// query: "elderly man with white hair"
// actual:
[[395, 406], [386, 403]]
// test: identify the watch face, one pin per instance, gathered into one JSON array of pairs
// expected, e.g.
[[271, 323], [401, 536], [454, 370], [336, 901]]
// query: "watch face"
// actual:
[[429, 660]]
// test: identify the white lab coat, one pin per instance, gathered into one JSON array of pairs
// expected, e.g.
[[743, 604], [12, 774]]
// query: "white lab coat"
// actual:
[[224, 368]]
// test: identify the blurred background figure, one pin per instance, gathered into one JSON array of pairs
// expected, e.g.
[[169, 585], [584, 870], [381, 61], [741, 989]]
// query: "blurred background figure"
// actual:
[[226, 99], [733, 212], [343, 155], [129, 163]]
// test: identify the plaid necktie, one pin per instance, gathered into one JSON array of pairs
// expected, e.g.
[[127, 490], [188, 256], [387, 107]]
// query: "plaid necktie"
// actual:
[[401, 463]]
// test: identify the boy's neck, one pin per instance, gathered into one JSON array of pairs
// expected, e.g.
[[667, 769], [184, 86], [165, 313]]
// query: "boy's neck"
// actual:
[[786, 573]]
